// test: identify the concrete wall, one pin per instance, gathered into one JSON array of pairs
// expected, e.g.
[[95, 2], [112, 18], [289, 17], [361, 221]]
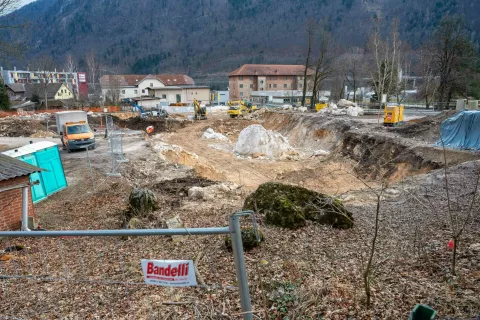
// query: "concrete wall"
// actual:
[[11, 204], [169, 94], [201, 94]]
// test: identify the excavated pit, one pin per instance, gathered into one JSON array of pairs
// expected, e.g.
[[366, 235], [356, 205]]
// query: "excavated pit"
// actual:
[[379, 152]]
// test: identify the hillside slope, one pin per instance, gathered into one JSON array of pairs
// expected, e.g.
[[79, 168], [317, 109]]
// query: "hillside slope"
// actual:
[[151, 36]]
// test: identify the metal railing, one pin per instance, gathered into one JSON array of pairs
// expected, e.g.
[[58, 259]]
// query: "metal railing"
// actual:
[[57, 273]]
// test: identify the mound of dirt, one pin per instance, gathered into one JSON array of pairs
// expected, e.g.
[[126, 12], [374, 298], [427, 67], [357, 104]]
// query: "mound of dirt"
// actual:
[[426, 129], [182, 185], [290, 206], [159, 124], [22, 128]]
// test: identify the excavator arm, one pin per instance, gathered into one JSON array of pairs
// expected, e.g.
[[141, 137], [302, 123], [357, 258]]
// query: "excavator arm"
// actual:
[[200, 112]]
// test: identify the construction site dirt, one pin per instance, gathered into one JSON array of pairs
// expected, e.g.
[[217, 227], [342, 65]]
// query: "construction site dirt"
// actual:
[[310, 273]]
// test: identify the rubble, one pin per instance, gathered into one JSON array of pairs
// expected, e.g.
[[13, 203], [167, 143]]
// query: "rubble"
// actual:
[[255, 139], [16, 127], [334, 109], [343, 103], [210, 134]]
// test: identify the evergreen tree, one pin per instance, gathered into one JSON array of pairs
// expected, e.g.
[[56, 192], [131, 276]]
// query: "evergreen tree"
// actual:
[[4, 99]]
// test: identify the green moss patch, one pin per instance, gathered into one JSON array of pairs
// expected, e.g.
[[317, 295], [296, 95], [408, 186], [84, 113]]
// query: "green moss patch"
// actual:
[[290, 206]]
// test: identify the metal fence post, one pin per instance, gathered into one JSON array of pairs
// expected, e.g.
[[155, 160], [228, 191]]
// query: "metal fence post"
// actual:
[[237, 246]]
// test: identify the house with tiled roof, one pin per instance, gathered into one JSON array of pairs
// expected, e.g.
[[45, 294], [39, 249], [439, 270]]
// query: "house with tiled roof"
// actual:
[[136, 85], [266, 77]]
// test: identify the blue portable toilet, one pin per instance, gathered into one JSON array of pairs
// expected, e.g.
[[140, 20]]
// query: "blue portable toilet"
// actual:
[[43, 154]]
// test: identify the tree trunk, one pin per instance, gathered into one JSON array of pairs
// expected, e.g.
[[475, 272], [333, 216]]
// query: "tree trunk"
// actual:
[[314, 93], [368, 269], [454, 255]]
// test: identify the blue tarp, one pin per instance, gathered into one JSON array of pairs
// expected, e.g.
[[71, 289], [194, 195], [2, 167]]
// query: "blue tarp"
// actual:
[[462, 131]]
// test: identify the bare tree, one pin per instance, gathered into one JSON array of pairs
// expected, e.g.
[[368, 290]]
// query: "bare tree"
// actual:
[[10, 47], [112, 95], [430, 84], [353, 62], [459, 215], [454, 57], [385, 54], [310, 34], [70, 66], [323, 66], [44, 66], [93, 74]]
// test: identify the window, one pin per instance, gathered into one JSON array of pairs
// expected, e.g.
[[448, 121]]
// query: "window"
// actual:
[[241, 94], [241, 85], [251, 86], [251, 78], [179, 98], [135, 91], [164, 96], [143, 90], [151, 84], [274, 85], [240, 78], [291, 85], [285, 78], [261, 81], [301, 85], [275, 78], [284, 85], [123, 91], [269, 85]]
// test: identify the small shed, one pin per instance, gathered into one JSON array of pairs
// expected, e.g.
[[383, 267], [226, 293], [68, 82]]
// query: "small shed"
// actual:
[[15, 198], [45, 155]]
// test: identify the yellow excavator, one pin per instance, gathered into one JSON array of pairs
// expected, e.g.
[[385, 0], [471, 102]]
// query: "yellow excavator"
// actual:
[[240, 107], [200, 112]]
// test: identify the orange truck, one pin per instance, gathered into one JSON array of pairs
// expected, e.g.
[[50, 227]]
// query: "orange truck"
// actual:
[[74, 130]]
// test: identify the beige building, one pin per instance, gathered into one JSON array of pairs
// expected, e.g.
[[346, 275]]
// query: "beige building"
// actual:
[[136, 85], [181, 94], [266, 77]]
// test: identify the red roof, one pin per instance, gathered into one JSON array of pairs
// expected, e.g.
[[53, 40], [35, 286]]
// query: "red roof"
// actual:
[[270, 70], [133, 79]]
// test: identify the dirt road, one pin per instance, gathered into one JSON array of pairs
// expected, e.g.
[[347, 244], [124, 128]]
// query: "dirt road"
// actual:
[[216, 160]]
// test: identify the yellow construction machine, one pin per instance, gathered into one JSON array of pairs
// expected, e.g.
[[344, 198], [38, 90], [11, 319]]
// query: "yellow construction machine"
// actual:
[[393, 116], [320, 106], [200, 111], [240, 107]]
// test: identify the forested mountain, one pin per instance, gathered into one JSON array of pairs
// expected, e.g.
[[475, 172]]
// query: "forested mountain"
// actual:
[[205, 36]]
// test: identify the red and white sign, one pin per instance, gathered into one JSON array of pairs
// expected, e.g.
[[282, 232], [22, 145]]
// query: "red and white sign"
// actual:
[[169, 273], [82, 77]]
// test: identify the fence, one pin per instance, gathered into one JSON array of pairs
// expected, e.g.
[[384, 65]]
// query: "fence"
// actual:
[[115, 144], [97, 274]]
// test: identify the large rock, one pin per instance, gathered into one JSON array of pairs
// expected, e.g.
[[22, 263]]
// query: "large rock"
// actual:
[[142, 202], [255, 139], [249, 239], [290, 206]]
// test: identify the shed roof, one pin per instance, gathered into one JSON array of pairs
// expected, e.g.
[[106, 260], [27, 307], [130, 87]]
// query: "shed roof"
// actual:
[[132, 80], [29, 149], [38, 88], [16, 87], [270, 70], [12, 168]]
